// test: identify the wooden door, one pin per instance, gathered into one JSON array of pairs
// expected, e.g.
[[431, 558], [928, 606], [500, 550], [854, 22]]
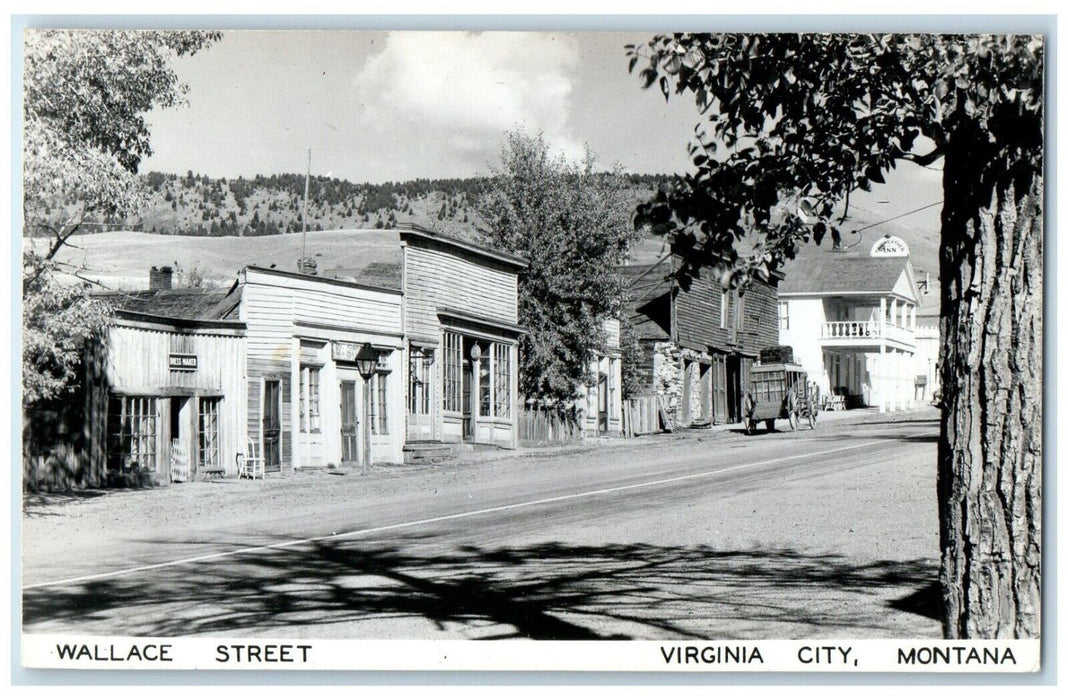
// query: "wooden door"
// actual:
[[272, 425], [350, 423], [420, 396], [720, 412], [469, 397], [685, 415], [602, 403]]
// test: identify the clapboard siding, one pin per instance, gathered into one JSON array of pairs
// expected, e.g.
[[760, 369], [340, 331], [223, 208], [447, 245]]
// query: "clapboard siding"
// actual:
[[761, 318], [273, 304], [611, 329], [697, 314], [436, 276], [138, 363]]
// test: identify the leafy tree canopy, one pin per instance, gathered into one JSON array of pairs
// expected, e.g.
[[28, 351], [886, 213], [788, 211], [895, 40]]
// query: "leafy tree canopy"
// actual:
[[788, 117], [573, 225], [86, 97]]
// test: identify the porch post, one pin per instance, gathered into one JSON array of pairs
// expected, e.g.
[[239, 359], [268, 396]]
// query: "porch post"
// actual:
[[880, 376], [882, 317]]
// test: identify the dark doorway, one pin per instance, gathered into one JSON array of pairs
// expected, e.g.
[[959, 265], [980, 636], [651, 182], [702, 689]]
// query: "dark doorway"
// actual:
[[180, 464], [469, 396], [734, 388]]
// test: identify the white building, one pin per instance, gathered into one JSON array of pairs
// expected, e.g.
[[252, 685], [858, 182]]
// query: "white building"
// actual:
[[851, 321], [603, 413]]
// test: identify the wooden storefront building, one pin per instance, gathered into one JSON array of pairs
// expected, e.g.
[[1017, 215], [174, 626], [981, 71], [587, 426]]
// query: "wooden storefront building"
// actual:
[[698, 341], [461, 308], [164, 390], [307, 401], [443, 313], [603, 410]]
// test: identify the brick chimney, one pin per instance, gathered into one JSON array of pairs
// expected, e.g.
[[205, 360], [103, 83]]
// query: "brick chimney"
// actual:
[[160, 278]]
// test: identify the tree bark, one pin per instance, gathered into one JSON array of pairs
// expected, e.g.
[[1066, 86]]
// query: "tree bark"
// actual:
[[990, 449]]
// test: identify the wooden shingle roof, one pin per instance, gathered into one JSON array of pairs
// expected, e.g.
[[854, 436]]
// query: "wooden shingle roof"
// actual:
[[189, 304], [829, 272]]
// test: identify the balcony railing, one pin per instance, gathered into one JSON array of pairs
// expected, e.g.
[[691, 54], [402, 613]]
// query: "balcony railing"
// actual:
[[850, 329], [865, 330]]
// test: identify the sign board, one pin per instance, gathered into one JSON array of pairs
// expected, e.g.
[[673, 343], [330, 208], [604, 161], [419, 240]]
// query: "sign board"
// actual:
[[183, 362], [345, 352], [921, 380]]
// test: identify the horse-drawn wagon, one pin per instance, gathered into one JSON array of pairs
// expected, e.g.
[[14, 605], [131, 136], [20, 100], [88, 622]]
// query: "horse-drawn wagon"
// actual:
[[780, 390]]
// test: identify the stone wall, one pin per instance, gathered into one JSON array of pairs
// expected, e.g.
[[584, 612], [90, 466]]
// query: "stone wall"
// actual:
[[669, 379]]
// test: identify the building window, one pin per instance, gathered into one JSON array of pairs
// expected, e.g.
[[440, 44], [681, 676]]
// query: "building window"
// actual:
[[309, 399], [613, 390], [453, 372], [502, 385], [724, 308], [419, 387], [379, 404], [208, 435], [739, 313], [132, 430], [784, 315], [485, 383]]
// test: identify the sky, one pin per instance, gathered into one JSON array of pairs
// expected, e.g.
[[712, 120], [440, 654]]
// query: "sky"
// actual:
[[391, 106], [380, 106]]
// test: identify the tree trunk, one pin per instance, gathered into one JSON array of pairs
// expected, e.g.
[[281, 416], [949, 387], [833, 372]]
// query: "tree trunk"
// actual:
[[990, 450]]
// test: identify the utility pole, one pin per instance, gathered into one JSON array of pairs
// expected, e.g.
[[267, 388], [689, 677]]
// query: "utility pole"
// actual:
[[304, 217]]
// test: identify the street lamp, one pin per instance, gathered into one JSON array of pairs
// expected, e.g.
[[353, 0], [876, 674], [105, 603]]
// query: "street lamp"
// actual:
[[366, 362]]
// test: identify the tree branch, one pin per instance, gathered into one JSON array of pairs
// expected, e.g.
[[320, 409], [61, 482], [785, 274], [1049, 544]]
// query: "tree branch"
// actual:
[[926, 159]]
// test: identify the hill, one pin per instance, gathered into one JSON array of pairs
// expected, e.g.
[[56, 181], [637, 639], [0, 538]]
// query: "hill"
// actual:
[[211, 227], [198, 205]]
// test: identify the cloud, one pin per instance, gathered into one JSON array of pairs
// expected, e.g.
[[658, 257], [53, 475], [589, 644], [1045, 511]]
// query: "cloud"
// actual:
[[456, 93]]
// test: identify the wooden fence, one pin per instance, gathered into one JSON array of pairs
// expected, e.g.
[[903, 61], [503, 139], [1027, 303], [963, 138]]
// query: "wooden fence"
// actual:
[[646, 414], [538, 426]]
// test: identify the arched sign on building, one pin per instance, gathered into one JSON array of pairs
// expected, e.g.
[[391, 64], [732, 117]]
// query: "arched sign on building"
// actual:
[[890, 247]]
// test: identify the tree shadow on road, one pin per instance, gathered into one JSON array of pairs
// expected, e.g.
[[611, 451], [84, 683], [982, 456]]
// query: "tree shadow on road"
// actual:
[[548, 591]]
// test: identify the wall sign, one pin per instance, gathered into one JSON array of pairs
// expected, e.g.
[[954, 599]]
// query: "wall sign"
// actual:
[[183, 362], [344, 352]]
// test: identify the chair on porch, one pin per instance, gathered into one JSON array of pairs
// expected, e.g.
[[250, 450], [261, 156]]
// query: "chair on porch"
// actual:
[[248, 464]]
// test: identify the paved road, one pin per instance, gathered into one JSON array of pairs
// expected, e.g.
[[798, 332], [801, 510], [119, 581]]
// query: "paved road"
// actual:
[[826, 533]]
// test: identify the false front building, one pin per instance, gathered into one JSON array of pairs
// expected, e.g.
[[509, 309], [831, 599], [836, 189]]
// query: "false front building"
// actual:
[[454, 362], [439, 316], [310, 402], [698, 340], [163, 392], [851, 321]]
